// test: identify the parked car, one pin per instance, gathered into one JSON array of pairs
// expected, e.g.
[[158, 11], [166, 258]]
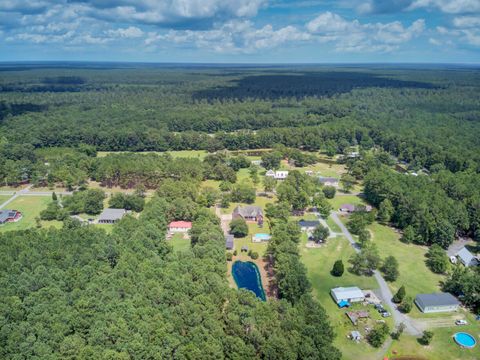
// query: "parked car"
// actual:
[[461, 322], [378, 306], [386, 314]]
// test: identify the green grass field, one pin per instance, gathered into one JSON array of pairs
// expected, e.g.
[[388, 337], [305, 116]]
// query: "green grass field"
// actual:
[[30, 207], [442, 346], [179, 243], [319, 262], [333, 225], [4, 198], [176, 154], [253, 228], [345, 199], [414, 274]]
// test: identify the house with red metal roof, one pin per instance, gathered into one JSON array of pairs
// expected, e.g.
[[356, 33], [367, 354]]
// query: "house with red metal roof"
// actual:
[[9, 216], [179, 226]]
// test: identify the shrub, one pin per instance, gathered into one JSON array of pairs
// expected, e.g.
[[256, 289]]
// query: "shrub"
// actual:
[[229, 256], [338, 268], [406, 305], [254, 255], [426, 338], [400, 295], [377, 336], [329, 192]]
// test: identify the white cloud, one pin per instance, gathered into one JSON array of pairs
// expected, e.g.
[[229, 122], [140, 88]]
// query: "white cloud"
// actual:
[[172, 12], [232, 37], [354, 36], [464, 31], [466, 21], [448, 6], [129, 33]]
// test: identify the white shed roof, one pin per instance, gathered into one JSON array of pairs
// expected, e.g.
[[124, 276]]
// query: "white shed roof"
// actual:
[[352, 292]]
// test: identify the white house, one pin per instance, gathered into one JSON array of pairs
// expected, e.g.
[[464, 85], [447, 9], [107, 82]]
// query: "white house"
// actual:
[[277, 175], [350, 294], [270, 173], [179, 226]]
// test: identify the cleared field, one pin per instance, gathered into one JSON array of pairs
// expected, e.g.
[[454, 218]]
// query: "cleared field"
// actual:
[[183, 153], [30, 207], [345, 199], [414, 274], [319, 262], [179, 243]]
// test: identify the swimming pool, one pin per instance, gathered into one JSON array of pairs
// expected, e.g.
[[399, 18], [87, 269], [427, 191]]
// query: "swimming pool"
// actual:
[[464, 339], [261, 237], [247, 276]]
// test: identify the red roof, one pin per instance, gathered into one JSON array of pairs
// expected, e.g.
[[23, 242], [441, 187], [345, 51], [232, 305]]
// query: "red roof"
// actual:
[[180, 224]]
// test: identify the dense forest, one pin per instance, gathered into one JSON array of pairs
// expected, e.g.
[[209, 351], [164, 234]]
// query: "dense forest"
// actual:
[[78, 293], [426, 117]]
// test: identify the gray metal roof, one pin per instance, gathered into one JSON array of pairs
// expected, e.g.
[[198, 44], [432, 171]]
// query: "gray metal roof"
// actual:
[[112, 214], [229, 242], [467, 257], [436, 299], [6, 214], [309, 223]]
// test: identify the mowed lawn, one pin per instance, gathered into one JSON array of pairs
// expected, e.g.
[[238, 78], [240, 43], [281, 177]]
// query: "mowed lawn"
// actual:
[[4, 198], [339, 200], [179, 243], [442, 346], [319, 262], [260, 247], [414, 274], [30, 207]]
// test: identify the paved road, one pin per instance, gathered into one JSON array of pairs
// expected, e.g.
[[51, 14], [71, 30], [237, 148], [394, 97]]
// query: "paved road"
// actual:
[[385, 292]]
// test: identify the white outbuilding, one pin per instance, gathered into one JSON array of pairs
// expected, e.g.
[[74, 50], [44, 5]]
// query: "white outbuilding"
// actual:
[[350, 294]]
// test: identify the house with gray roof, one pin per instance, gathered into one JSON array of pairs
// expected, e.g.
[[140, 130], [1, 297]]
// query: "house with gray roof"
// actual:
[[328, 181], [437, 302], [111, 216], [308, 225], [467, 258], [248, 213], [9, 216]]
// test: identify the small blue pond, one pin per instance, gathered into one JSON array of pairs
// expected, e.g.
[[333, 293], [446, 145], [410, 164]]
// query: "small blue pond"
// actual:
[[247, 276], [464, 339]]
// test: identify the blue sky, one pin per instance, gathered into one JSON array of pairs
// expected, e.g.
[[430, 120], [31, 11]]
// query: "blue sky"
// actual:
[[270, 31]]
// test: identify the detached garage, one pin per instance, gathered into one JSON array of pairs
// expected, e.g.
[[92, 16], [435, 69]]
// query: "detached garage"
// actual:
[[437, 302]]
